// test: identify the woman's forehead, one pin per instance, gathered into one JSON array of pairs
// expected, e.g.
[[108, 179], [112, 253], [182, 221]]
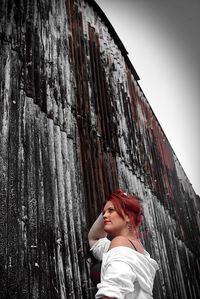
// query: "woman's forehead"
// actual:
[[108, 205]]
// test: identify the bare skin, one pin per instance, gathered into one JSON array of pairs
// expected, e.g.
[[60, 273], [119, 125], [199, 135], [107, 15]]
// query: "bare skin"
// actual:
[[118, 228], [109, 222]]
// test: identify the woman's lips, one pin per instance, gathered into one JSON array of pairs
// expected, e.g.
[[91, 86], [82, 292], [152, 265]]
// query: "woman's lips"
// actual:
[[106, 222]]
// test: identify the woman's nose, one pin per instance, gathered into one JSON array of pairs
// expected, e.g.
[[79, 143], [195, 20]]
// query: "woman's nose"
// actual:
[[104, 215]]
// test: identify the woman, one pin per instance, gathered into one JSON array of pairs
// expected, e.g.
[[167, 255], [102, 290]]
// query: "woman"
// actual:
[[127, 269]]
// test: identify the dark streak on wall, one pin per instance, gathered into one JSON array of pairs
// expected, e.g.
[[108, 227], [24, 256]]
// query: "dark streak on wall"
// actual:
[[74, 125]]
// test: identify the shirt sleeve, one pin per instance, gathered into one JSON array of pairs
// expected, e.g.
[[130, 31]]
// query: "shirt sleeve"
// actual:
[[117, 280], [100, 247]]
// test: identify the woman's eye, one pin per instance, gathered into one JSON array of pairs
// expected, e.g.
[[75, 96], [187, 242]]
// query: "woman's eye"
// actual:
[[109, 210]]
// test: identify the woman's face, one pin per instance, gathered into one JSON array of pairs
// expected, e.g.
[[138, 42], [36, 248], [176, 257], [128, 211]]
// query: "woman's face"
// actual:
[[114, 224]]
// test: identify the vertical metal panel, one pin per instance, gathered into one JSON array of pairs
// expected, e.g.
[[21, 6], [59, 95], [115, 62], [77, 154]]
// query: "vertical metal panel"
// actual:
[[75, 124]]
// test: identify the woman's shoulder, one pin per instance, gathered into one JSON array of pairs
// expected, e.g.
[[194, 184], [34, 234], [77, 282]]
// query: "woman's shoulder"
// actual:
[[120, 241], [126, 242]]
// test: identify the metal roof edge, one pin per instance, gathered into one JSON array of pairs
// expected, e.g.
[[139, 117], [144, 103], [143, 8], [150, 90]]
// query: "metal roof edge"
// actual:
[[115, 36]]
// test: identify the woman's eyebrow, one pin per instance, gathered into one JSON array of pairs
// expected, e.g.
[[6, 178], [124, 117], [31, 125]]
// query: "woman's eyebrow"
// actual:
[[110, 207]]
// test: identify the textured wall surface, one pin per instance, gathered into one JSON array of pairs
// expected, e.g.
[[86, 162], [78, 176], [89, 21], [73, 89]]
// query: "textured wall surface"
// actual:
[[75, 124]]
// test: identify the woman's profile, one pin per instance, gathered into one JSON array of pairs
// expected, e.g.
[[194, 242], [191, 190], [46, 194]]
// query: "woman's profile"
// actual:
[[127, 269]]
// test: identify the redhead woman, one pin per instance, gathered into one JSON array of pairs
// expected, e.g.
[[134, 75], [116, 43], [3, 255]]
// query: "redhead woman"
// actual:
[[127, 270]]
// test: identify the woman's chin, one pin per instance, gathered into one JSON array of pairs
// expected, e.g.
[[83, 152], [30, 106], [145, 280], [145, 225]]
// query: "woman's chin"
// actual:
[[107, 229]]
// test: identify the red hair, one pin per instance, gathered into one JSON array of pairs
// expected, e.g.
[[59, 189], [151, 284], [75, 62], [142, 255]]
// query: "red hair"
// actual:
[[127, 204]]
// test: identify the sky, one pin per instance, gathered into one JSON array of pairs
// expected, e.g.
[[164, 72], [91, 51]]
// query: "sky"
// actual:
[[162, 39]]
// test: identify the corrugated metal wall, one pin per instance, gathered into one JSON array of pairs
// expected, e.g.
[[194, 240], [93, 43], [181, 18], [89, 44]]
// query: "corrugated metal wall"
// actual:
[[75, 124]]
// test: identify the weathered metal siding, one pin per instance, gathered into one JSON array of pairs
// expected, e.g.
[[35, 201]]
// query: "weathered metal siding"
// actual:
[[74, 124]]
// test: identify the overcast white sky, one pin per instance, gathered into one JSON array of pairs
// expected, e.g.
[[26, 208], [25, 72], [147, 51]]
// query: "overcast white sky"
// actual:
[[162, 38]]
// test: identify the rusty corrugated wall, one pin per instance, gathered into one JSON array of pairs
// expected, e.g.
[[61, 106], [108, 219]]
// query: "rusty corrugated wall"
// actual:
[[74, 124]]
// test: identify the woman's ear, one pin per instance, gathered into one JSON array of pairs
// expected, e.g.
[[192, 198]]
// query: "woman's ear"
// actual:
[[127, 218]]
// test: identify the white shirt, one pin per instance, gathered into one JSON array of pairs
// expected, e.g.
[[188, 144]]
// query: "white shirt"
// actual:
[[125, 273]]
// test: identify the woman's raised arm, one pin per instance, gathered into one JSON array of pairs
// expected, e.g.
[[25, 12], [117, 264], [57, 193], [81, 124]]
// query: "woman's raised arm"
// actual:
[[96, 231]]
